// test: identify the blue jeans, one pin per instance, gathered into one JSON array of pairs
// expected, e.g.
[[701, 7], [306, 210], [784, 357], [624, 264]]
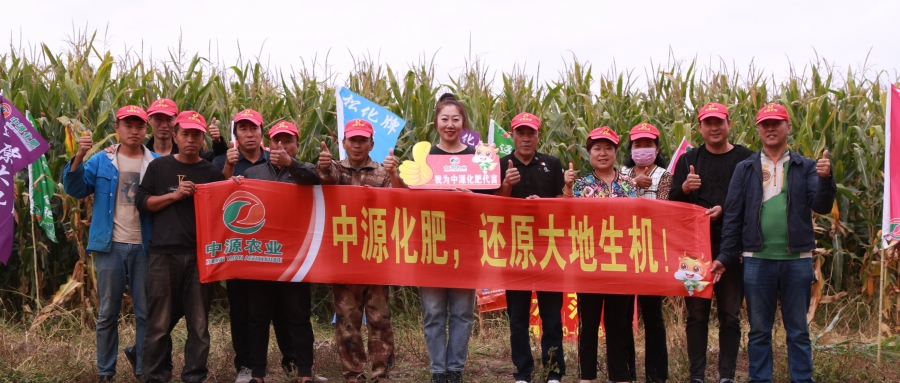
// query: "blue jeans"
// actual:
[[765, 283], [124, 264], [443, 308]]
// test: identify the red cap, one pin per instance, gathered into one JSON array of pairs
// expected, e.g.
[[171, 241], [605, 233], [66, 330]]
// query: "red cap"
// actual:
[[249, 115], [772, 112], [164, 106], [526, 119], [604, 132], [131, 110], [358, 127], [190, 119], [283, 126], [713, 109], [644, 130]]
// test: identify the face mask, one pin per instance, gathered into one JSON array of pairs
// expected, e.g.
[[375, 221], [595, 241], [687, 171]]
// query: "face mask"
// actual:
[[643, 156]]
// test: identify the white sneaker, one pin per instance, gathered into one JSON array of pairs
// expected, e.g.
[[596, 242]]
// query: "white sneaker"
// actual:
[[552, 381], [245, 376], [521, 381]]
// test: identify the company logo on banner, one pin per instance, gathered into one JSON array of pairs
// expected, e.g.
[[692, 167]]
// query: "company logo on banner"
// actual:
[[386, 125], [459, 240], [471, 171], [244, 213]]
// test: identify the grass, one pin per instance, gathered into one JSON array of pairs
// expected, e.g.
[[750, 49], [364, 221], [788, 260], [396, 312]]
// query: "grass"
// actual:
[[63, 350]]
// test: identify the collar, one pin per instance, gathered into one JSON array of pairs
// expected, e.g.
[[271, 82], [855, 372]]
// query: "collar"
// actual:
[[263, 158], [369, 164]]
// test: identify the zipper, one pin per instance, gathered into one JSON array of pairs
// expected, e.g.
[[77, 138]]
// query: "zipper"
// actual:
[[759, 214], [788, 207]]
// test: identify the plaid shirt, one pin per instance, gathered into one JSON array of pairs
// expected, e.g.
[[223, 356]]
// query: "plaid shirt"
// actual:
[[342, 173], [662, 183]]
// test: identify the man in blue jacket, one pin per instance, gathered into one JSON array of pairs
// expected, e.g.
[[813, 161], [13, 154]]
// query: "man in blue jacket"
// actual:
[[768, 222], [119, 235]]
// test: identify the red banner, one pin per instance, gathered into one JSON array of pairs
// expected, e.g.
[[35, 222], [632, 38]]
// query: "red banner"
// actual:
[[347, 234], [438, 171]]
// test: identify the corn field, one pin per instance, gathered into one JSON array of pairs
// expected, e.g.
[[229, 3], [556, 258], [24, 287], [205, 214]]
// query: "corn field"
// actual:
[[841, 110]]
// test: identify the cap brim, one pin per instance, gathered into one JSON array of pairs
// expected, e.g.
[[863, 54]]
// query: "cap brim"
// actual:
[[643, 135], [131, 115], [357, 133], [723, 116], [253, 120], [167, 113], [528, 124], [277, 132], [761, 119], [192, 125], [615, 142]]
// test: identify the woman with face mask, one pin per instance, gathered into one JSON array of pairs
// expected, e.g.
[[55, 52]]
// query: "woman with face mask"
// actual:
[[604, 181], [647, 167]]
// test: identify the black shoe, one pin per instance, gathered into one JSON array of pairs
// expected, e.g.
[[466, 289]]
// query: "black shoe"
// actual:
[[131, 355], [439, 378], [726, 380], [454, 377], [697, 380]]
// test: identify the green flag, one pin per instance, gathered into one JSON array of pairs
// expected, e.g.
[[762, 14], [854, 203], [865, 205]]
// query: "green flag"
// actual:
[[501, 139], [42, 188]]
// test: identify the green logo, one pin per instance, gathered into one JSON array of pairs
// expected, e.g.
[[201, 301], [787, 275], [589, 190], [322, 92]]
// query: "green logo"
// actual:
[[243, 213]]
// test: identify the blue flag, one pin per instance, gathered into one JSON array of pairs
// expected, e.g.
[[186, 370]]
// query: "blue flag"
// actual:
[[387, 125]]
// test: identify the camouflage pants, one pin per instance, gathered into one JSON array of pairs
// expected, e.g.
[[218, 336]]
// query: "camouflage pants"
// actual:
[[349, 302]]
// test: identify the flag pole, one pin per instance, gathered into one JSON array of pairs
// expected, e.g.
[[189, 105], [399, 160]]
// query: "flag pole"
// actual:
[[880, 303], [37, 294]]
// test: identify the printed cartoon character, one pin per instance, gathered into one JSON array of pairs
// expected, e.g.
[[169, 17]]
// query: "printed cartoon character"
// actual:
[[692, 271], [486, 157]]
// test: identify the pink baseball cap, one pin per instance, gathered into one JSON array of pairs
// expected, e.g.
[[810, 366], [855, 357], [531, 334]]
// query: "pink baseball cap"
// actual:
[[249, 115], [644, 130], [283, 126], [772, 112], [190, 119], [606, 133], [713, 109], [131, 111], [358, 127], [526, 119], [164, 106]]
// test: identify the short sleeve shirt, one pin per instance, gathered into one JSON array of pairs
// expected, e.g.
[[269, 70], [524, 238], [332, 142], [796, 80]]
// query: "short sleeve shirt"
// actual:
[[543, 176], [591, 186]]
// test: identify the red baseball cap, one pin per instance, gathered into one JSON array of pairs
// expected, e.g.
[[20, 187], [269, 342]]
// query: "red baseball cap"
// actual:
[[164, 106], [283, 126], [606, 133], [526, 119], [644, 130], [249, 115], [190, 119], [358, 127], [772, 112], [713, 109], [131, 111]]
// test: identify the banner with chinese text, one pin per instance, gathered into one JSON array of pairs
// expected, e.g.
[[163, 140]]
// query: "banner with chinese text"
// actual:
[[439, 171], [386, 125], [346, 234]]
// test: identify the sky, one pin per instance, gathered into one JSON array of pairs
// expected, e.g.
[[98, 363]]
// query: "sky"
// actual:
[[528, 35]]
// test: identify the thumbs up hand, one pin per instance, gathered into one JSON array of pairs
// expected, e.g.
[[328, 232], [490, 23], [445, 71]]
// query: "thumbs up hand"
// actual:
[[823, 165], [512, 175], [324, 158], [570, 176], [691, 183], [213, 131], [643, 180], [391, 163], [417, 172]]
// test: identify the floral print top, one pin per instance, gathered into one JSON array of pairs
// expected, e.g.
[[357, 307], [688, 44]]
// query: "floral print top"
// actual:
[[591, 186]]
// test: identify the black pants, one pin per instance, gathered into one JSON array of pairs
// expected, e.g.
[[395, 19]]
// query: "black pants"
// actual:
[[618, 310], [173, 290], [239, 315], [518, 305], [656, 356], [294, 300], [729, 292]]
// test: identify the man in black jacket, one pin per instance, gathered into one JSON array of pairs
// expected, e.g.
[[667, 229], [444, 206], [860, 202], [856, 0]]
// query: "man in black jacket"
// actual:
[[291, 300], [701, 178], [768, 223]]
